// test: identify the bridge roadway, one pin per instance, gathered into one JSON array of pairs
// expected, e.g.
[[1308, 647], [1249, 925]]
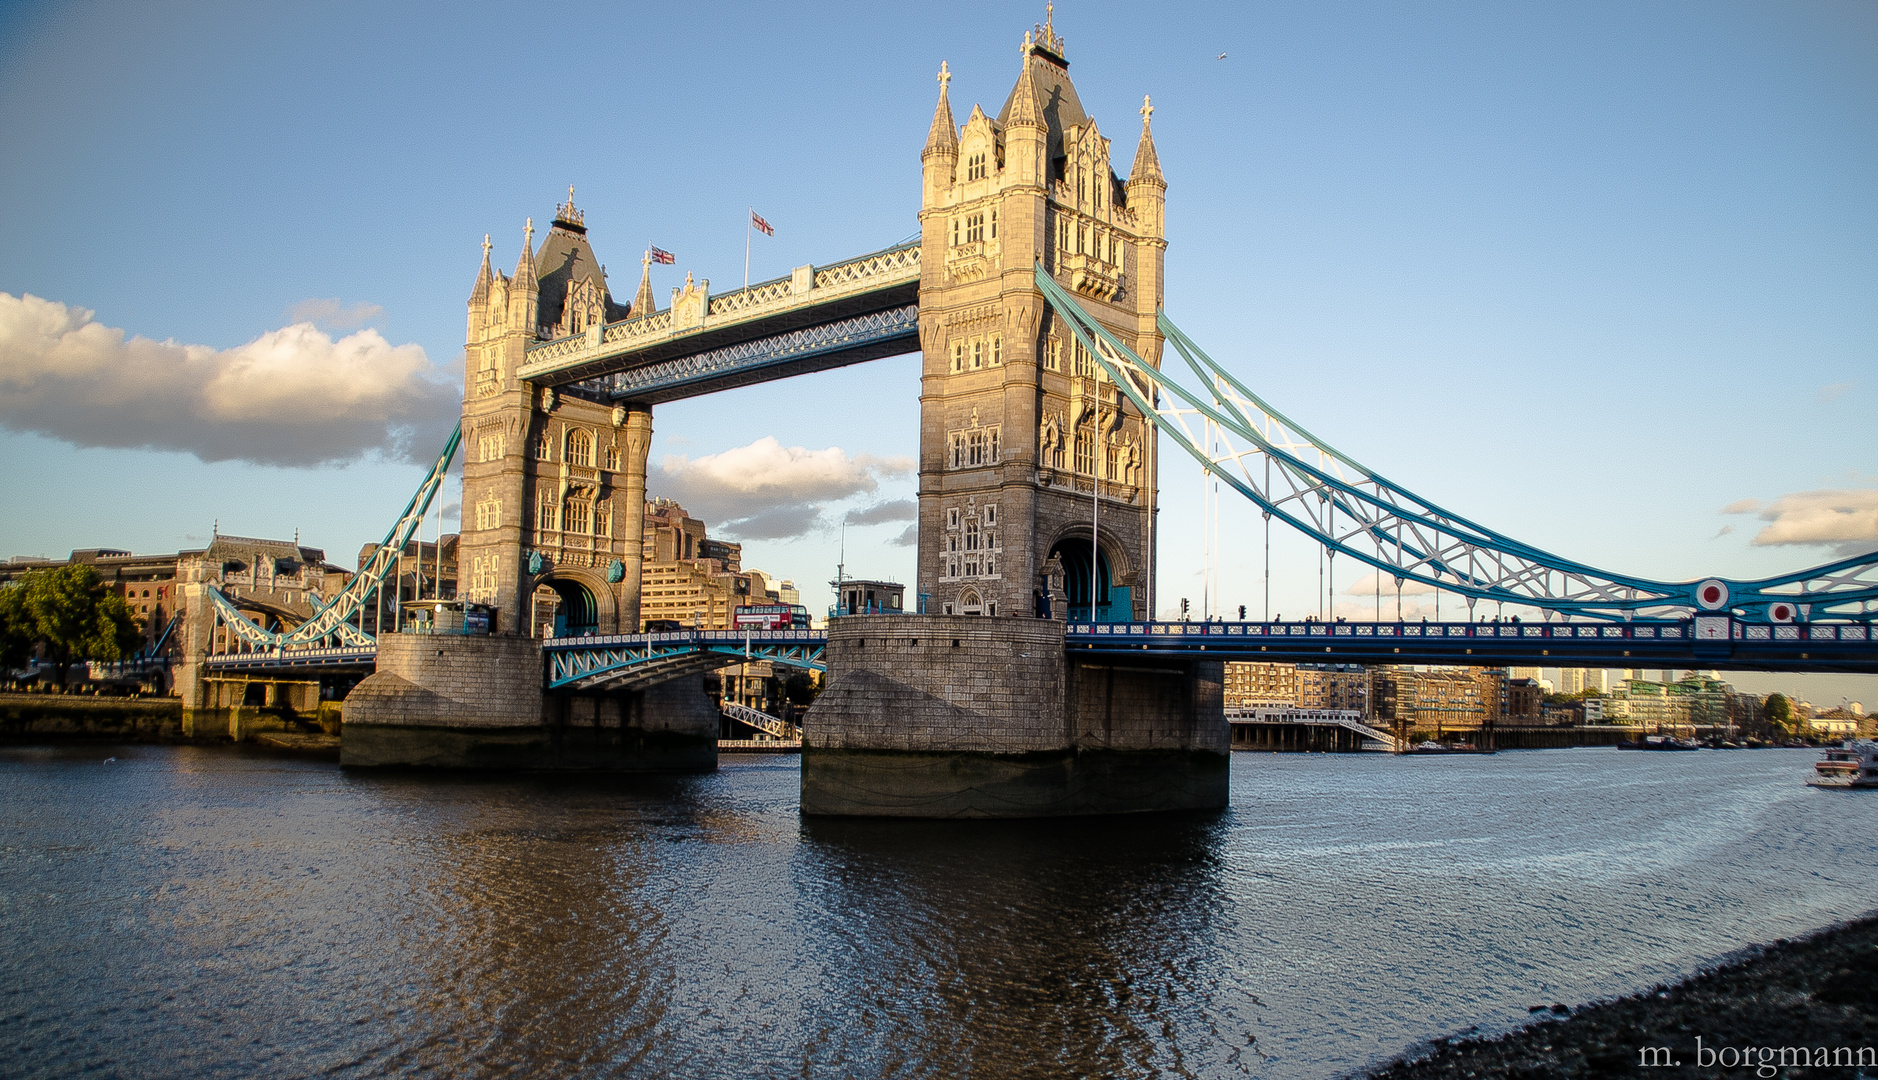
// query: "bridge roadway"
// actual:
[[635, 661]]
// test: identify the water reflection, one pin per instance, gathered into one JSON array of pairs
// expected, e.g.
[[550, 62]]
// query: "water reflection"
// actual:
[[1055, 948], [184, 913]]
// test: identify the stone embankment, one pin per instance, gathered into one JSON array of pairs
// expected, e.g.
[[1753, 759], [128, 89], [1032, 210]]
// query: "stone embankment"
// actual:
[[1754, 1013], [82, 716]]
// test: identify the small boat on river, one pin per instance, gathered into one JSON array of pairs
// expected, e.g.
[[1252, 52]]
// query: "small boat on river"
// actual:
[[1854, 765]]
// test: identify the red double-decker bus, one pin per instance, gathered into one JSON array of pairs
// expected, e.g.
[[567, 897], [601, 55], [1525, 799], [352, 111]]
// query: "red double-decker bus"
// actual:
[[772, 616]]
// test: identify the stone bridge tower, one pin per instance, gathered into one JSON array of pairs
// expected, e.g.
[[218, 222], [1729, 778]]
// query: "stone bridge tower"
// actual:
[[553, 481], [1020, 439]]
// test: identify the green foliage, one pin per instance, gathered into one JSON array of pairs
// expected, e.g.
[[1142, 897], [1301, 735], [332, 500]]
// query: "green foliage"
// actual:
[[16, 642], [1778, 710], [69, 611]]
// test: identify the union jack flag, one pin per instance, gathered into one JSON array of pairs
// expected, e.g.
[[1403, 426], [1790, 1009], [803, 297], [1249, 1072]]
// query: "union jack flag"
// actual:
[[660, 255], [756, 219]]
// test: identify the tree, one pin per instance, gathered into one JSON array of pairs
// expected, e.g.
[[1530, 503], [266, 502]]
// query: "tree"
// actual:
[[16, 642], [1778, 711], [70, 613]]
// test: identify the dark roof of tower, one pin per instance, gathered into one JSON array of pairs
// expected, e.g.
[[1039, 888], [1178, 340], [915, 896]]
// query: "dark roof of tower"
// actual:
[[1056, 98], [566, 257]]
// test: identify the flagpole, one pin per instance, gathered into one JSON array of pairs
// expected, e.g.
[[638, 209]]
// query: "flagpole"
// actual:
[[751, 215]]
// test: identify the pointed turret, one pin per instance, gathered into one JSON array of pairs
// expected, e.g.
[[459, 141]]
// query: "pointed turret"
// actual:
[[525, 266], [943, 137], [480, 294], [643, 303], [1025, 108], [523, 298], [1147, 168]]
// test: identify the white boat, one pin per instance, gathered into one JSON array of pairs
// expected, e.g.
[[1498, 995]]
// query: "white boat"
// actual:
[[1854, 765]]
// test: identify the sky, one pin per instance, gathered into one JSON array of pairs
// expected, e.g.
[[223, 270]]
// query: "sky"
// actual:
[[1603, 276]]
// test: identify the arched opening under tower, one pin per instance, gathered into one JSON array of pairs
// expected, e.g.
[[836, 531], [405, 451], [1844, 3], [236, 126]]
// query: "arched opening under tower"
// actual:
[[564, 608], [1113, 603]]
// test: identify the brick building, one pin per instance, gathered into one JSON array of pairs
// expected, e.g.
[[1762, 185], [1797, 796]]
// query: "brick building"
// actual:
[[1252, 684]]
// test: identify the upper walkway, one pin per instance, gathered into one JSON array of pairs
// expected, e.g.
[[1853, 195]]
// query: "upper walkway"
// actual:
[[815, 319]]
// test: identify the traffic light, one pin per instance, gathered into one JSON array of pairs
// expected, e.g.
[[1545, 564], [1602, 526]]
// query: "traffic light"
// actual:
[[1241, 612], [1183, 609]]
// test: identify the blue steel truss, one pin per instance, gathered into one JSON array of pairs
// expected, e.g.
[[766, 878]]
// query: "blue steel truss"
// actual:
[[635, 661], [747, 361], [338, 624], [1309, 485]]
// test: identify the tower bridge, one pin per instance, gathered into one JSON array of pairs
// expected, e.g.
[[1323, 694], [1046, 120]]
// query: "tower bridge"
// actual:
[[1033, 678]]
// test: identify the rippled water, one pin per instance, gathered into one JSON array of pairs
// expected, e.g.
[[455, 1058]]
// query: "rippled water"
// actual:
[[191, 912]]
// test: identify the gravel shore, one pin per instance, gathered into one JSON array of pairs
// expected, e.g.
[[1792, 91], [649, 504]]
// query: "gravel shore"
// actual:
[[1811, 996]]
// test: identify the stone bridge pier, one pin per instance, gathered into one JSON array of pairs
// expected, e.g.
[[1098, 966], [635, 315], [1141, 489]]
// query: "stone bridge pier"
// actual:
[[962, 716]]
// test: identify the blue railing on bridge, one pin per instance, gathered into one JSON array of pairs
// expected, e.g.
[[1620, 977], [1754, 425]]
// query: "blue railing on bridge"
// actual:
[[795, 636], [1705, 641], [262, 659], [1683, 630]]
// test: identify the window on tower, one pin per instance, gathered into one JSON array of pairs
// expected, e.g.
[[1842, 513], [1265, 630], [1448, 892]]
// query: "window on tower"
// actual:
[[579, 448], [975, 167], [975, 228]]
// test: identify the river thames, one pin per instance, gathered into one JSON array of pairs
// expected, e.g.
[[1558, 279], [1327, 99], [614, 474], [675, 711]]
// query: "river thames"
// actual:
[[178, 912]]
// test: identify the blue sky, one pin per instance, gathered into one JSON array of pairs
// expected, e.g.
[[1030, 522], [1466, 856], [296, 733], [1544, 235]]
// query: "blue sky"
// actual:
[[1589, 273]]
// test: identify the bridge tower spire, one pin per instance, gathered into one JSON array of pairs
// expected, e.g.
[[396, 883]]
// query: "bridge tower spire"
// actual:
[[1020, 436]]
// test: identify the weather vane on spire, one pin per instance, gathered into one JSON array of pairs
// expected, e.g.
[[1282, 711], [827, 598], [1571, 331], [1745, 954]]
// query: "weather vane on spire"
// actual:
[[485, 245], [945, 75], [1147, 109], [1046, 34]]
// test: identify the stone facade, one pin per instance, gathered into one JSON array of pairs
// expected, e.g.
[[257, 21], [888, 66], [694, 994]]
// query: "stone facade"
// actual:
[[1018, 432], [447, 701], [553, 480], [969, 716]]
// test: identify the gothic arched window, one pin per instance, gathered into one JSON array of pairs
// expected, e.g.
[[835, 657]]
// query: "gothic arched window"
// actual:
[[579, 448]]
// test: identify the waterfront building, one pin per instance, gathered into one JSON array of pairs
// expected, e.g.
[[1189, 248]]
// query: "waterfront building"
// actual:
[[147, 583], [1333, 686], [1524, 695], [692, 580], [1256, 684], [1435, 700]]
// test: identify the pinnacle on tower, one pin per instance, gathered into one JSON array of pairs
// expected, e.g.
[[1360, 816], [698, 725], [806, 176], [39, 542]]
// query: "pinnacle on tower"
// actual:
[[1046, 36], [1026, 109], [480, 294], [525, 266], [944, 136], [1147, 167], [568, 216], [643, 303]]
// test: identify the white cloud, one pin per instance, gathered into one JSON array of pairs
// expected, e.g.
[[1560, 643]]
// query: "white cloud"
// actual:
[[767, 491], [1725, 530], [1847, 519], [293, 396], [1742, 506], [328, 313], [1833, 391], [1366, 586], [909, 537], [881, 513]]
